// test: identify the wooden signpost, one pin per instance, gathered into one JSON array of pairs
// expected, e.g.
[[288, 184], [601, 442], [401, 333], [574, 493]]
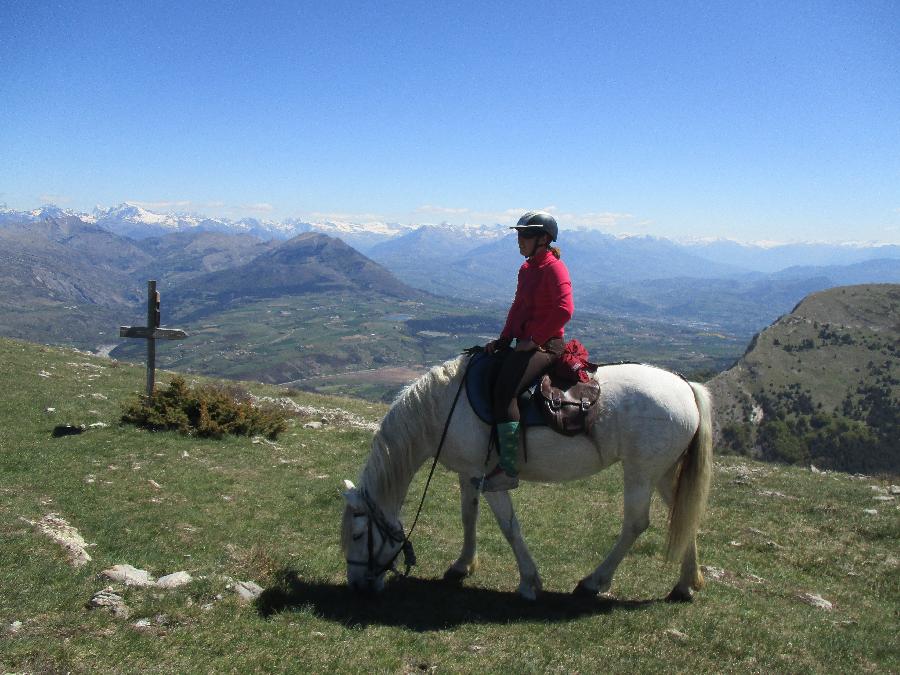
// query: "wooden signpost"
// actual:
[[151, 333]]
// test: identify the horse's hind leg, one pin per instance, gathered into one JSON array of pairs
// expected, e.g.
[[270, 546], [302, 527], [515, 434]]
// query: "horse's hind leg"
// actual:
[[529, 579], [636, 519], [691, 578], [467, 562]]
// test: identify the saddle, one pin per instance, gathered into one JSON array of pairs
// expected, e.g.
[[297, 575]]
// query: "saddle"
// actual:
[[565, 406]]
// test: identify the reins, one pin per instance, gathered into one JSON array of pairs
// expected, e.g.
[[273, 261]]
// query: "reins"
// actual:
[[387, 532]]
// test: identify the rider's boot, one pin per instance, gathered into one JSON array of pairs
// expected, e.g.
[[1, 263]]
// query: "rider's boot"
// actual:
[[504, 476]]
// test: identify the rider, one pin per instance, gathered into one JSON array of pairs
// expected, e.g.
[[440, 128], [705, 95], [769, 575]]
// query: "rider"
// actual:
[[542, 307]]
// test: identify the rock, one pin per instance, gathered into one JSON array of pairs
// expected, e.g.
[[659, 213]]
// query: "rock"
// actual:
[[49, 410], [816, 601], [174, 580], [714, 573], [54, 526], [676, 634], [15, 626], [894, 489], [141, 624], [44, 373], [100, 397], [247, 591], [883, 498], [107, 599], [130, 576], [98, 425], [154, 484], [871, 512], [313, 425]]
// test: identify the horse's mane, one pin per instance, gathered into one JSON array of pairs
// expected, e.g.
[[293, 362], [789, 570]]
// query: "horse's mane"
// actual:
[[399, 446]]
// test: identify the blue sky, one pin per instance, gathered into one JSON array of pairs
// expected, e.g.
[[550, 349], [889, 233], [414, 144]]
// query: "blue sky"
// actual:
[[750, 120]]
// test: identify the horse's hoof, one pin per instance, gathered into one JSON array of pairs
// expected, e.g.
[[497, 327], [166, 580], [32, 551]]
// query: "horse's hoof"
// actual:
[[582, 591], [679, 594], [455, 576]]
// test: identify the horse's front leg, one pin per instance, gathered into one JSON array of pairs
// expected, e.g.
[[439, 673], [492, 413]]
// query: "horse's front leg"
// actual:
[[467, 562], [529, 579]]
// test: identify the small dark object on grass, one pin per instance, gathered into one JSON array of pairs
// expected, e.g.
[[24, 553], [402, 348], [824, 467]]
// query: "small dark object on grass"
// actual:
[[67, 430], [205, 410]]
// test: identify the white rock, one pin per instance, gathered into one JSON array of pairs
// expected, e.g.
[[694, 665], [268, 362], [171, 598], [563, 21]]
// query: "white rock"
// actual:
[[894, 489], [313, 425], [107, 599], [55, 527], [15, 626], [815, 601], [142, 623], [44, 373], [174, 580], [871, 512], [101, 397], [883, 498], [676, 634], [98, 425], [154, 484], [49, 410], [247, 591], [128, 575], [714, 573]]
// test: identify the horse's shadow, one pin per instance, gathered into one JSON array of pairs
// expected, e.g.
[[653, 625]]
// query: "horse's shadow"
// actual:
[[428, 604]]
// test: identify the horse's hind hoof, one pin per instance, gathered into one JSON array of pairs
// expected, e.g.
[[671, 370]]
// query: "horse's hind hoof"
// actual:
[[678, 594], [582, 591]]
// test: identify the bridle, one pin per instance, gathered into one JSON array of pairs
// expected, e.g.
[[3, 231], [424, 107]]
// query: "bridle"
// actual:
[[391, 534]]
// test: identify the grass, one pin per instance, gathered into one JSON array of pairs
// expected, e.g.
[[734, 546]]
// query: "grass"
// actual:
[[239, 509]]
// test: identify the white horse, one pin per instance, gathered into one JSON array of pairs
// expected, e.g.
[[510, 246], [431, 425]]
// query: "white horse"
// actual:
[[656, 423]]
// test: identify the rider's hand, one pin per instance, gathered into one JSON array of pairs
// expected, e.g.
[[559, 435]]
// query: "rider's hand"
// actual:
[[496, 345]]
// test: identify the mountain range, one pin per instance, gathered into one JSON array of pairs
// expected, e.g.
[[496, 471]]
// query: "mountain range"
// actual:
[[74, 279]]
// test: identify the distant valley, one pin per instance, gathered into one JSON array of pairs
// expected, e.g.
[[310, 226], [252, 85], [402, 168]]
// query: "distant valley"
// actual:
[[290, 302]]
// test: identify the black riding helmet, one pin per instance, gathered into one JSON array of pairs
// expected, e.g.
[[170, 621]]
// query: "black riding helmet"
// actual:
[[538, 220]]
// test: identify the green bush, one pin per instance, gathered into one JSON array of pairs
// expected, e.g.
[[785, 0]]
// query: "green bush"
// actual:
[[203, 410]]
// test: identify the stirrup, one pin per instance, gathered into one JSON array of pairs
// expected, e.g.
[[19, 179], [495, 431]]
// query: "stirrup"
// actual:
[[496, 480]]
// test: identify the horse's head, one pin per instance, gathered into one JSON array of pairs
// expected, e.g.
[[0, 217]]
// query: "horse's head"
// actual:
[[370, 540]]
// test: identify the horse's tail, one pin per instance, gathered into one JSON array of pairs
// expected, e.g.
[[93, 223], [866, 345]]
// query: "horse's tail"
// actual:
[[691, 481]]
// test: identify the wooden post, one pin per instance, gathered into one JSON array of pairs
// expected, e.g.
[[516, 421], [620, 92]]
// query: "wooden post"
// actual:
[[151, 333], [152, 313]]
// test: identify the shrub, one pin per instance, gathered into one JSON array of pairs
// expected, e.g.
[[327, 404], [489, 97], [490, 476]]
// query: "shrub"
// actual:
[[203, 410]]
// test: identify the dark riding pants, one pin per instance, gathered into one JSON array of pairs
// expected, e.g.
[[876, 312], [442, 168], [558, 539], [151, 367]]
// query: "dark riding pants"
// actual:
[[518, 371]]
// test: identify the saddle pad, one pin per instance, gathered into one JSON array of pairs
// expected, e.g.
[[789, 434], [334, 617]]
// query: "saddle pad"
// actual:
[[483, 369]]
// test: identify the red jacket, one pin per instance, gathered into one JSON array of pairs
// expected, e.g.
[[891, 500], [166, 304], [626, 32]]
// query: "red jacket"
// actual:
[[543, 303]]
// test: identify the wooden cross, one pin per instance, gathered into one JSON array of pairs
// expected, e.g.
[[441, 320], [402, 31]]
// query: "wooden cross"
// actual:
[[151, 333]]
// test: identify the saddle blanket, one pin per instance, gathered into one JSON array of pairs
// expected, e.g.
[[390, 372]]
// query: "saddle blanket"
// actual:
[[483, 369]]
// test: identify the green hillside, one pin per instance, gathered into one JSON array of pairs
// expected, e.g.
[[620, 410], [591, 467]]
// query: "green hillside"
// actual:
[[248, 510], [821, 384]]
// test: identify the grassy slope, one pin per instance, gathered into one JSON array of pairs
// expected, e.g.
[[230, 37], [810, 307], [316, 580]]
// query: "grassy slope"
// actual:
[[279, 528]]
